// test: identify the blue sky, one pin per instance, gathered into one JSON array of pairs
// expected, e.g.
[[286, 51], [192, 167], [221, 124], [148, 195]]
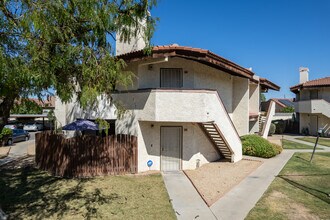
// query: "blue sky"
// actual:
[[273, 37]]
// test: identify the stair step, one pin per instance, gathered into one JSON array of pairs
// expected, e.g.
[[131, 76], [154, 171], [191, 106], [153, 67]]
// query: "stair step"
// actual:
[[208, 126], [215, 135], [210, 129]]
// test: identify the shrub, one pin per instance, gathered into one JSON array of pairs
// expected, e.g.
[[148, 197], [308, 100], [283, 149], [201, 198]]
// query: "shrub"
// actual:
[[280, 126], [288, 109], [272, 129], [305, 131], [254, 145], [277, 148], [5, 133]]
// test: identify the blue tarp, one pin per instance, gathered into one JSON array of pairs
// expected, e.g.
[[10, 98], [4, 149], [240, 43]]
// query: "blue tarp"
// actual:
[[81, 125]]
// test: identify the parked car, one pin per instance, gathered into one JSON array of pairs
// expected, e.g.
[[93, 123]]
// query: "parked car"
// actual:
[[18, 135], [11, 126], [33, 127]]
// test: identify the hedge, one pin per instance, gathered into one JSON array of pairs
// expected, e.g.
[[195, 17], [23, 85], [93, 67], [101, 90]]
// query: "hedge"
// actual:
[[254, 145]]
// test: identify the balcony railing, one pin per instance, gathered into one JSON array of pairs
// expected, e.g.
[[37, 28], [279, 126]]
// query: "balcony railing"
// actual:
[[314, 106], [172, 105]]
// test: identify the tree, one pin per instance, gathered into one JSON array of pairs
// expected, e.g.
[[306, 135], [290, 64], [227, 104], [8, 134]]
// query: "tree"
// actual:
[[262, 97], [26, 106], [66, 45], [288, 109]]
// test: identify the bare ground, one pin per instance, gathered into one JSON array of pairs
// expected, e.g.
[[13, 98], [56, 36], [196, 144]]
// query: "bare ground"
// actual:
[[214, 180]]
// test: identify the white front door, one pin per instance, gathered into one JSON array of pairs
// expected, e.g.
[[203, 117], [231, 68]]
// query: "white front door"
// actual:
[[170, 147]]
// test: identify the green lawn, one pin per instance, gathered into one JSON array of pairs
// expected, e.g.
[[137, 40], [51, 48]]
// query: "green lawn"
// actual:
[[300, 191], [31, 194], [294, 145], [322, 141]]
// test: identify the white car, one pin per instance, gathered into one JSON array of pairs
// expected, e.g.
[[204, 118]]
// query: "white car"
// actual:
[[11, 126], [33, 127]]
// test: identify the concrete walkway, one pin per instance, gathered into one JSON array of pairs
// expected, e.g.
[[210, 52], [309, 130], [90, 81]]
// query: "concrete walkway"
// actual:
[[186, 202], [17, 150], [293, 138], [237, 203]]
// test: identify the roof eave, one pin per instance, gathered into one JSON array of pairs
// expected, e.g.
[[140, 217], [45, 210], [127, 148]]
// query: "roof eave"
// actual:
[[265, 83], [202, 56]]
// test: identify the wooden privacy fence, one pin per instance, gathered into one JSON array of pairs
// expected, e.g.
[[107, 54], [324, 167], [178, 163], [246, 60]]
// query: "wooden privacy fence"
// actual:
[[86, 156]]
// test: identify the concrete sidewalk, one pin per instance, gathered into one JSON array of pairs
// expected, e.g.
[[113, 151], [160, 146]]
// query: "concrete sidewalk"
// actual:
[[186, 201], [237, 203], [293, 138], [17, 150]]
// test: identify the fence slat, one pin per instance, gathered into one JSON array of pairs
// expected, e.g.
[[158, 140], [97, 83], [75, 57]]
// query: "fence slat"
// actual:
[[86, 156]]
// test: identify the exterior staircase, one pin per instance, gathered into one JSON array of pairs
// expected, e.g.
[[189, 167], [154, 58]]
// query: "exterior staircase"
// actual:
[[262, 120], [268, 120], [214, 134]]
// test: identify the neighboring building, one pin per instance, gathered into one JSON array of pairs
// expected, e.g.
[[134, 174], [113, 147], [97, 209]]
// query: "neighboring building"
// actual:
[[187, 106], [46, 104], [280, 104], [312, 103]]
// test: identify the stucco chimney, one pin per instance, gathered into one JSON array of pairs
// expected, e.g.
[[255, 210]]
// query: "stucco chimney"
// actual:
[[303, 74], [135, 43]]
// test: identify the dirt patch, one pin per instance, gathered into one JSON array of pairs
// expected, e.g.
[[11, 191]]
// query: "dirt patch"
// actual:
[[18, 163], [215, 179], [281, 203], [4, 151]]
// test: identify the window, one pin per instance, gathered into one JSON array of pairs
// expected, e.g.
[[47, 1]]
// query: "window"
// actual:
[[171, 78], [313, 94]]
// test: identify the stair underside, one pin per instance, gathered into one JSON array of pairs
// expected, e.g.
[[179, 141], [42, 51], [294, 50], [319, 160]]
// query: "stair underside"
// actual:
[[211, 130]]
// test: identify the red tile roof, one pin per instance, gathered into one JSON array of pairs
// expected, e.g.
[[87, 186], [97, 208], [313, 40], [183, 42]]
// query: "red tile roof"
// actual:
[[265, 83], [46, 103], [322, 82], [199, 55]]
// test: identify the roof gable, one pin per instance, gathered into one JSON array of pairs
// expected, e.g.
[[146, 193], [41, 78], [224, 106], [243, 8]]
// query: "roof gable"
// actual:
[[322, 82]]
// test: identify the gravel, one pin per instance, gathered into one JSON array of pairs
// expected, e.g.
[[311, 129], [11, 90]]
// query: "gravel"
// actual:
[[215, 179]]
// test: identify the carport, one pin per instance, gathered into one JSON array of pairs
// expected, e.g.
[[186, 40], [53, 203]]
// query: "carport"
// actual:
[[28, 117]]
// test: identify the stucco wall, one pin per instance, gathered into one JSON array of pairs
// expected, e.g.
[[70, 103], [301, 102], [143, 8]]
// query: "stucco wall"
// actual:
[[253, 127], [254, 96], [304, 94], [323, 122], [324, 93], [195, 144], [173, 106], [241, 105], [195, 75], [67, 113]]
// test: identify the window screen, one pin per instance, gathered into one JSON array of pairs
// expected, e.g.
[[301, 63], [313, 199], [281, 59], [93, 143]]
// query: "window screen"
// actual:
[[171, 78], [314, 94]]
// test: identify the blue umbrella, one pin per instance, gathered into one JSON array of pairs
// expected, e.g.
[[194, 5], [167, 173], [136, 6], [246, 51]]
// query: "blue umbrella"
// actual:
[[81, 125]]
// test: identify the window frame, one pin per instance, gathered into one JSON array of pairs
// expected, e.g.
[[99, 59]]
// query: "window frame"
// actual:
[[160, 77]]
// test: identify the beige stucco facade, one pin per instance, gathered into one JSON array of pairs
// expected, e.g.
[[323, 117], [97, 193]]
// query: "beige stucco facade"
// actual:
[[313, 106], [207, 95]]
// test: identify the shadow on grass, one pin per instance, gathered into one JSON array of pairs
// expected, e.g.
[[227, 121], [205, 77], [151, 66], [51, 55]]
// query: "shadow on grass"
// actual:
[[302, 159], [314, 192], [28, 192]]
